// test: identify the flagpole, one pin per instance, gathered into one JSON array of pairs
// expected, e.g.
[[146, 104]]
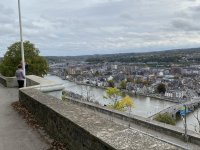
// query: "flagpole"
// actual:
[[21, 40]]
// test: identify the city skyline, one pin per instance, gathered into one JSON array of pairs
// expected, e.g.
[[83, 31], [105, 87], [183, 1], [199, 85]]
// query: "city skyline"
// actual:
[[82, 27]]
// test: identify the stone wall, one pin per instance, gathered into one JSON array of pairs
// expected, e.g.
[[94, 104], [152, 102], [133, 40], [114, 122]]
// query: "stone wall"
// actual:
[[81, 128], [44, 85], [12, 81], [177, 132], [8, 81], [49, 111], [3, 81], [32, 81]]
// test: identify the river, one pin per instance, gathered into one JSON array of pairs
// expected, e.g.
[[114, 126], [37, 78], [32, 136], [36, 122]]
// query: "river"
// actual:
[[143, 106], [191, 121]]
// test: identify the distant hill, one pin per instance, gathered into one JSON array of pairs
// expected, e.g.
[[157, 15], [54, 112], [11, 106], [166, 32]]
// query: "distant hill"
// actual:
[[178, 56], [168, 56]]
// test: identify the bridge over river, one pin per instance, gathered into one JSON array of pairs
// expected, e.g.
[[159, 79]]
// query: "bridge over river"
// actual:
[[174, 110]]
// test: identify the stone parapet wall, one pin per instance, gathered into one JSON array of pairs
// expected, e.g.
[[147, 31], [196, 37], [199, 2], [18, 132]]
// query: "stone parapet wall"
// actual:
[[48, 110], [81, 128], [3, 80], [12, 81], [47, 86], [32, 81], [8, 81], [177, 132]]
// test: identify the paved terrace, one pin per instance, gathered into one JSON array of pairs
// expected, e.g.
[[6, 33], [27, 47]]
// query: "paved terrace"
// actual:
[[15, 134]]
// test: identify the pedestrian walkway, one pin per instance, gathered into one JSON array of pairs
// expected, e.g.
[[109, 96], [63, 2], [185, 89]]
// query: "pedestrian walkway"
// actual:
[[15, 134]]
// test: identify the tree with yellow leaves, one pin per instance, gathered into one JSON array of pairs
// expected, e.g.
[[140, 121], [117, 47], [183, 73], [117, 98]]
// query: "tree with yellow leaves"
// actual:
[[118, 104], [124, 103], [113, 94]]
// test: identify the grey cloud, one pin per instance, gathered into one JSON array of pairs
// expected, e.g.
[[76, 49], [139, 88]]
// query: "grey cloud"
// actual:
[[195, 8], [126, 15], [186, 25], [5, 19], [6, 15], [5, 10], [101, 26], [187, 19]]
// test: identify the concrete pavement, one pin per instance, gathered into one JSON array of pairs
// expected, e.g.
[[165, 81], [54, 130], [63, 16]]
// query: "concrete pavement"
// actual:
[[15, 134]]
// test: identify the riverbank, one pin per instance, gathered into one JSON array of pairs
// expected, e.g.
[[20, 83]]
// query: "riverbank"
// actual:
[[145, 105], [131, 93], [153, 96], [101, 87], [165, 99]]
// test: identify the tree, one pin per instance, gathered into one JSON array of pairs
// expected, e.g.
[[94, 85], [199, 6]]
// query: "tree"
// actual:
[[130, 79], [113, 93], [111, 83], [161, 88], [123, 84], [37, 65], [165, 118], [118, 103], [124, 103], [138, 81], [97, 74]]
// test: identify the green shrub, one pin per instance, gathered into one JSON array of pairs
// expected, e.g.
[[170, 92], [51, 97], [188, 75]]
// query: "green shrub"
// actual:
[[37, 65], [165, 118]]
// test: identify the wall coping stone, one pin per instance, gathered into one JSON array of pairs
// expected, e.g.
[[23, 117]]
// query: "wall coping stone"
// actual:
[[33, 81], [43, 85]]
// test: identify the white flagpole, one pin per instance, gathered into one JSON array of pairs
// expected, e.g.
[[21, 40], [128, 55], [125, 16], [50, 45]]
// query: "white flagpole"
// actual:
[[21, 39]]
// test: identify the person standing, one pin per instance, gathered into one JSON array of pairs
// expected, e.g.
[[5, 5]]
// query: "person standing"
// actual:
[[20, 76]]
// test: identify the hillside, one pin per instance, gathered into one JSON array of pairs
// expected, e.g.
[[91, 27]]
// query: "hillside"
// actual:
[[178, 56]]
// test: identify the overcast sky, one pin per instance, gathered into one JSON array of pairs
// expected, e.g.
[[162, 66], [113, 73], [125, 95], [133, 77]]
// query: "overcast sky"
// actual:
[[81, 27]]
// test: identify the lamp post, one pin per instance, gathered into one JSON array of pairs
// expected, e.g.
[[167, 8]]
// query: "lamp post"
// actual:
[[21, 40]]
